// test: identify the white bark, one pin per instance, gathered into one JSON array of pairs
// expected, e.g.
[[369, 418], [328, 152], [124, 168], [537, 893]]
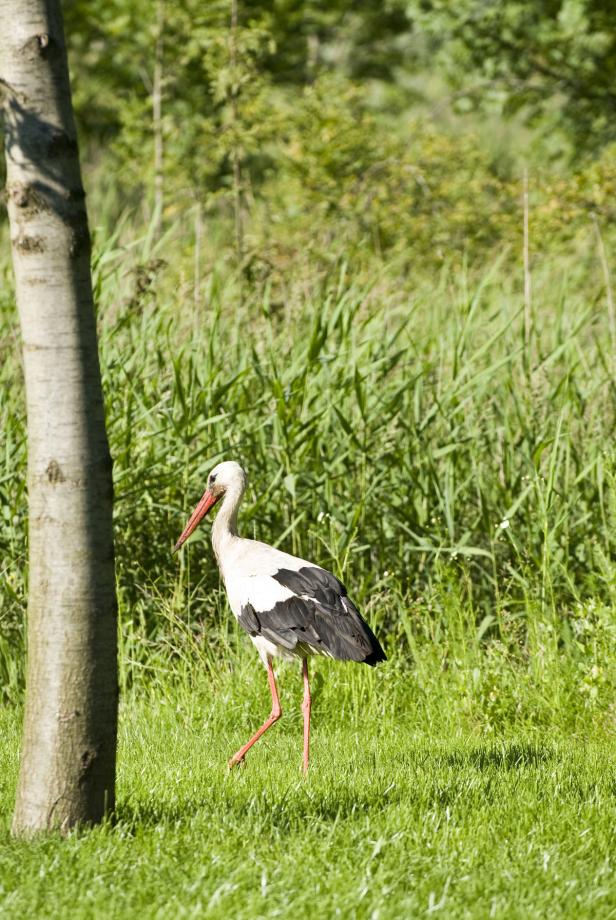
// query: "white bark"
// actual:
[[68, 753]]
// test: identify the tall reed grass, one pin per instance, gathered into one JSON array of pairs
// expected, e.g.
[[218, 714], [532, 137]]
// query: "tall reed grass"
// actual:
[[397, 430]]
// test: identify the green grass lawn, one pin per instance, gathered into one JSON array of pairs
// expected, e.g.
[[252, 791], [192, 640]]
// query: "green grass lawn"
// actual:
[[407, 811]]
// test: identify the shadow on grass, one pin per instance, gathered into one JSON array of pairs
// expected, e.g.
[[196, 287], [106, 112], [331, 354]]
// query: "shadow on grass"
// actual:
[[286, 812], [291, 805], [503, 756]]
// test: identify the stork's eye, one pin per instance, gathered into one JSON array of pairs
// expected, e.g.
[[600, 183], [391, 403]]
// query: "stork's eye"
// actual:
[[212, 480]]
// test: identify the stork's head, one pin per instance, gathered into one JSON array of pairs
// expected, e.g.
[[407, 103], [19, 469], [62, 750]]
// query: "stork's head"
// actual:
[[227, 476]]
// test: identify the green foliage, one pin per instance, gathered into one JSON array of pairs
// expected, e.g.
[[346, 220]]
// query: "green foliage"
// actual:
[[211, 83], [294, 124], [557, 58]]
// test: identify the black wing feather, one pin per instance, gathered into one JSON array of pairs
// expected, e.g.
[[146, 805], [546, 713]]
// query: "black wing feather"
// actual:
[[320, 615]]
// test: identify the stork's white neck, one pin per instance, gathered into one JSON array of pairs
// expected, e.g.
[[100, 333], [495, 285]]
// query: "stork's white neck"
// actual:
[[224, 530]]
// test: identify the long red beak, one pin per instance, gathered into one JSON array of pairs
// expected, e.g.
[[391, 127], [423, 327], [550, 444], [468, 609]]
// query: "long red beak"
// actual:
[[207, 501]]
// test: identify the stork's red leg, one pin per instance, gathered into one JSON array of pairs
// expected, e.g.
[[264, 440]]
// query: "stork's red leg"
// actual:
[[274, 716], [306, 711]]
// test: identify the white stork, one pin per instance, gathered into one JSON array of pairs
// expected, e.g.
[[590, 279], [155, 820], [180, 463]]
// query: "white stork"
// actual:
[[290, 608]]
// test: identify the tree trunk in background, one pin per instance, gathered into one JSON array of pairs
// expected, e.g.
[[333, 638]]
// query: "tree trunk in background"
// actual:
[[157, 121], [69, 740]]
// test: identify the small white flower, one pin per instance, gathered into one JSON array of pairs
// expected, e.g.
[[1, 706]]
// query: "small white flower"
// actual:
[[504, 524]]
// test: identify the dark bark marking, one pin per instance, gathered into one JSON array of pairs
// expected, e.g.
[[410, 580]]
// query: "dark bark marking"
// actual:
[[54, 472], [86, 763], [40, 46], [69, 716], [29, 244], [19, 194], [29, 199]]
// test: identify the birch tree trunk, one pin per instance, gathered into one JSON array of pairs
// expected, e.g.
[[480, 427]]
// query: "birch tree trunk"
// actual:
[[69, 738]]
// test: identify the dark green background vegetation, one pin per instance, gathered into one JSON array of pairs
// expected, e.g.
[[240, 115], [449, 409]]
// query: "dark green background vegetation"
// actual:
[[397, 127]]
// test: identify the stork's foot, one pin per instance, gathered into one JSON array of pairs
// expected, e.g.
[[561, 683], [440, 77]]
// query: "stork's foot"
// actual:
[[236, 761]]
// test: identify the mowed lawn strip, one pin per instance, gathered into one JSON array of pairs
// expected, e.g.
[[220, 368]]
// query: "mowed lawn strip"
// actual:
[[397, 818]]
